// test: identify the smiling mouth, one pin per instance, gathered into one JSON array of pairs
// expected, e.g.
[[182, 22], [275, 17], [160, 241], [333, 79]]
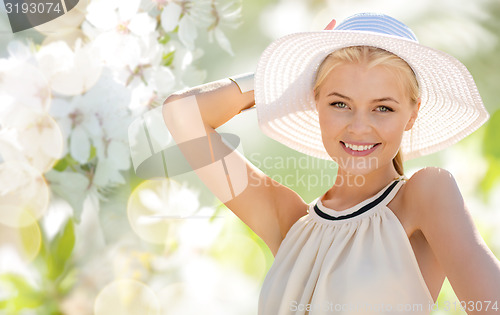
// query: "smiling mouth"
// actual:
[[359, 148]]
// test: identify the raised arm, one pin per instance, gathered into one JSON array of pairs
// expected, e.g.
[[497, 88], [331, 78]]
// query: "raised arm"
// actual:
[[218, 101], [263, 204]]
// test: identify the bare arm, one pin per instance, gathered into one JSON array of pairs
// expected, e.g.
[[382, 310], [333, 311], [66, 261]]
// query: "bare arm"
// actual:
[[244, 189], [218, 101], [471, 267]]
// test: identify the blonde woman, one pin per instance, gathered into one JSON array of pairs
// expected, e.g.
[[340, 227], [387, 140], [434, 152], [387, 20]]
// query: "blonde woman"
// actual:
[[365, 94]]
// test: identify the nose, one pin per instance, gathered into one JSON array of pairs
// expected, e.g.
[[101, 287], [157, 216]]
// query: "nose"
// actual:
[[359, 124]]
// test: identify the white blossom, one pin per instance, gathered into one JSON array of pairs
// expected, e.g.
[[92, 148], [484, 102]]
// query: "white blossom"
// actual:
[[99, 118], [187, 31], [23, 84], [223, 41], [70, 72], [121, 31], [31, 137], [24, 194], [170, 16], [108, 168], [79, 124], [19, 51]]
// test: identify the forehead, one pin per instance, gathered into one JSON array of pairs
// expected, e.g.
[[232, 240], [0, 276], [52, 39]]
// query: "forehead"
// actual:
[[359, 80]]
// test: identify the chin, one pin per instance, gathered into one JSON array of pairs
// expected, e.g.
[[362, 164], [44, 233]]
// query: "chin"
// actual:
[[356, 165], [355, 173], [358, 171], [353, 176]]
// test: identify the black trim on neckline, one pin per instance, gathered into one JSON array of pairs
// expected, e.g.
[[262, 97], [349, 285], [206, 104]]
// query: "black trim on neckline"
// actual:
[[361, 210]]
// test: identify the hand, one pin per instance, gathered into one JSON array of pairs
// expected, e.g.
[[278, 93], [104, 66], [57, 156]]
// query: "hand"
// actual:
[[330, 25]]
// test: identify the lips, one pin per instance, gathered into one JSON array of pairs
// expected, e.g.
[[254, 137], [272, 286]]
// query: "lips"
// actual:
[[359, 149]]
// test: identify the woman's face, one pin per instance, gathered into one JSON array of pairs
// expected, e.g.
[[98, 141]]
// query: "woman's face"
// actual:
[[362, 114]]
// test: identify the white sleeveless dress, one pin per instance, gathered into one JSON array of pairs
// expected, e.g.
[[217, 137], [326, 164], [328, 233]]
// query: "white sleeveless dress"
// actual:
[[355, 261]]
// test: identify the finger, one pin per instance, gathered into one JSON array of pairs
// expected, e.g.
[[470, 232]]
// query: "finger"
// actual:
[[330, 25]]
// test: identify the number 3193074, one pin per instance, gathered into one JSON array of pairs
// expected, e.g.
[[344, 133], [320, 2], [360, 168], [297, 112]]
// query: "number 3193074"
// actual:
[[33, 7]]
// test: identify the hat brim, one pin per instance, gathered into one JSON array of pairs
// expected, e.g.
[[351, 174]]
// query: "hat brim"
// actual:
[[451, 106]]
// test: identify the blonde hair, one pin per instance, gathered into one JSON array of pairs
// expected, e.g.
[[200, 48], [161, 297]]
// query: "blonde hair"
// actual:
[[371, 57]]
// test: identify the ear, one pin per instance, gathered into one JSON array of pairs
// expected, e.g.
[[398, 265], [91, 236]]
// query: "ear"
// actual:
[[414, 115]]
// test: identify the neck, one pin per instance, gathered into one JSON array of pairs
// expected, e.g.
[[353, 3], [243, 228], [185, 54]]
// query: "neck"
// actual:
[[350, 189]]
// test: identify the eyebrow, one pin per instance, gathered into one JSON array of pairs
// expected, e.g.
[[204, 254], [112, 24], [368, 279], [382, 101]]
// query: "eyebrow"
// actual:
[[382, 99], [339, 95], [385, 99]]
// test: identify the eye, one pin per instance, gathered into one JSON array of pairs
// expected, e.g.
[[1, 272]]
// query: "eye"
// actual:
[[340, 105], [384, 109]]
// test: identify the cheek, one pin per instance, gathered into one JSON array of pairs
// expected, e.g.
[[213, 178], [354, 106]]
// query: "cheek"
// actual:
[[330, 124], [391, 130]]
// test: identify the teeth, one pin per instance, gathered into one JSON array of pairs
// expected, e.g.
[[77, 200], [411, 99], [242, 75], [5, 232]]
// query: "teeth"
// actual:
[[358, 147]]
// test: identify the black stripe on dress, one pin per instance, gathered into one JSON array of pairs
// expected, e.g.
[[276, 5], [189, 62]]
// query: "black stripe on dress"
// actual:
[[361, 210]]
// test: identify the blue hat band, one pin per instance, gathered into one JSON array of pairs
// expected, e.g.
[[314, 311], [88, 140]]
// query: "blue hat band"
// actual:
[[377, 23]]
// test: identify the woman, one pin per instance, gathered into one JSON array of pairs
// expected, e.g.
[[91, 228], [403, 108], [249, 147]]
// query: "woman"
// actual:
[[365, 94]]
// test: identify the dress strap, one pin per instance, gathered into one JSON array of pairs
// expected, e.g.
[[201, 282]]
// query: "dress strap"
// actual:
[[390, 194], [382, 198]]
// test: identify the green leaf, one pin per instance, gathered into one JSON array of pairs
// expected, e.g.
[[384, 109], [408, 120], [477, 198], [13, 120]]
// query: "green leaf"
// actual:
[[64, 242], [492, 175], [168, 58], [61, 248], [32, 300], [65, 162], [164, 39], [16, 281], [491, 151], [25, 296], [61, 165], [93, 153], [68, 282]]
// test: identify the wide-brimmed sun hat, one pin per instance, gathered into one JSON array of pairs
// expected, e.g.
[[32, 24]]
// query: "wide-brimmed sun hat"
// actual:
[[451, 106]]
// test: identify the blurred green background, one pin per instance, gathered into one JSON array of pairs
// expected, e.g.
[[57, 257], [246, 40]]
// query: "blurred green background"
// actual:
[[87, 246]]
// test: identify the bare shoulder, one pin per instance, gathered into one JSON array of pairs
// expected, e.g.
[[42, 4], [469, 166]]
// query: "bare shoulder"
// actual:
[[429, 192], [430, 185], [424, 178]]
